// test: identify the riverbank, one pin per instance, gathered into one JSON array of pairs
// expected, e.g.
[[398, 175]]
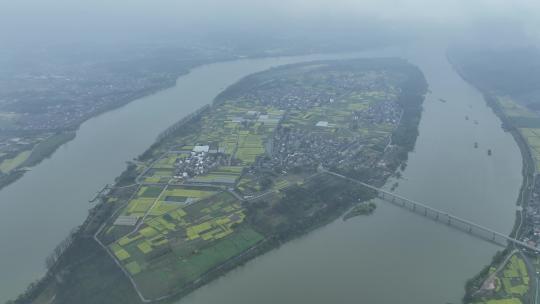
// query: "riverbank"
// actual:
[[40, 152], [474, 285], [528, 165], [47, 147], [364, 208], [473, 288]]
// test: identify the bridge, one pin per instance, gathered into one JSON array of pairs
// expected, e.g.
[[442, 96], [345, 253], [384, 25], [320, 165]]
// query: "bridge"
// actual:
[[440, 216]]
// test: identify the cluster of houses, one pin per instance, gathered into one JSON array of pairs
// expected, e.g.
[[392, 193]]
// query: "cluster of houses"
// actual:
[[293, 148], [321, 89], [385, 111], [303, 147], [200, 160]]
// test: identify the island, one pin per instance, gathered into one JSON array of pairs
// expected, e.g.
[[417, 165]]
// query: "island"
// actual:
[[238, 178]]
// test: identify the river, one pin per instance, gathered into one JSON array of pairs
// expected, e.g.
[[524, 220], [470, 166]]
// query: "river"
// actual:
[[391, 256], [395, 256]]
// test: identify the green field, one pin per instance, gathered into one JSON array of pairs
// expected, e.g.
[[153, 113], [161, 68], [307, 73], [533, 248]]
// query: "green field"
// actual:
[[150, 191], [173, 271], [9, 164], [511, 283], [172, 231], [187, 192], [141, 203], [513, 109], [527, 122], [41, 148]]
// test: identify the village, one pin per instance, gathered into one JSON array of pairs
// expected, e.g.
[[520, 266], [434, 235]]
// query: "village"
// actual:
[[295, 137]]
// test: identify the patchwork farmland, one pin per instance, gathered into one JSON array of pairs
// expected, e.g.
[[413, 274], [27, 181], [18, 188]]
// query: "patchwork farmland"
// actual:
[[243, 173]]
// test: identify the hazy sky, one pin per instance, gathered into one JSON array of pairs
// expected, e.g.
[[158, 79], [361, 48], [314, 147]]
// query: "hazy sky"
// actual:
[[40, 18]]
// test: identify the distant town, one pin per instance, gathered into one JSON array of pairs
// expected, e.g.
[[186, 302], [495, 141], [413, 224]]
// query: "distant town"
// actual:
[[42, 103]]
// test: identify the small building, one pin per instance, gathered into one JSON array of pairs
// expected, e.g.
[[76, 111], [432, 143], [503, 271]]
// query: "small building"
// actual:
[[198, 149], [322, 124]]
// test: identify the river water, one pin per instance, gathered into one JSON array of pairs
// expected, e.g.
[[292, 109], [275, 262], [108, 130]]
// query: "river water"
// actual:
[[391, 256]]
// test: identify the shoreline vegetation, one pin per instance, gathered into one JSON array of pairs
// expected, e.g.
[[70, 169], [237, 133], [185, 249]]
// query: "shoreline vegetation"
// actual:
[[80, 271], [362, 208], [476, 285]]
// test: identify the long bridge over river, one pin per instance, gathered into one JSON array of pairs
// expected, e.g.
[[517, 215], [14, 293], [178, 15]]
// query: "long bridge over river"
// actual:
[[441, 216]]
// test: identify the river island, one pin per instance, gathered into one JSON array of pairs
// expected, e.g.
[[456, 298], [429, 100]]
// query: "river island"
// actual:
[[238, 178]]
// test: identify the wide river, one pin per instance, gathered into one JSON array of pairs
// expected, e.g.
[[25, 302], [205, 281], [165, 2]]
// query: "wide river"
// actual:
[[392, 256]]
